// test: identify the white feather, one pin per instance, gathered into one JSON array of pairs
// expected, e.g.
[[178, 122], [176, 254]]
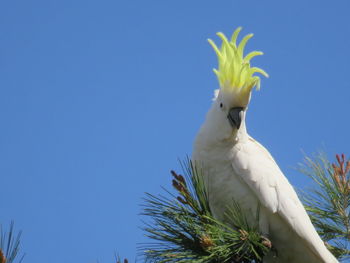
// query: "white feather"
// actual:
[[237, 167]]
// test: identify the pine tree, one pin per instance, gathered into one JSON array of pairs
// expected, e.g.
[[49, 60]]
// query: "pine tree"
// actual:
[[181, 226], [327, 202]]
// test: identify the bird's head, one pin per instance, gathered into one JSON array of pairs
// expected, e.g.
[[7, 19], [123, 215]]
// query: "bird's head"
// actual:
[[236, 77]]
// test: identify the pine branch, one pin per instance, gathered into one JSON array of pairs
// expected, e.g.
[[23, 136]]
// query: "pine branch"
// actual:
[[183, 228], [118, 260], [328, 202], [9, 245]]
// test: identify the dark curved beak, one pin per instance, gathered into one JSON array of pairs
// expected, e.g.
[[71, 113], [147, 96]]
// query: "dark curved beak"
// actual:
[[234, 117]]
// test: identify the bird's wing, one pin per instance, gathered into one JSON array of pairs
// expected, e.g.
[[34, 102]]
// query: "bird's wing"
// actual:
[[258, 169]]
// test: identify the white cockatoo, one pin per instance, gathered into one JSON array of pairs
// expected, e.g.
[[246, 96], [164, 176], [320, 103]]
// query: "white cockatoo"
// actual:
[[237, 167]]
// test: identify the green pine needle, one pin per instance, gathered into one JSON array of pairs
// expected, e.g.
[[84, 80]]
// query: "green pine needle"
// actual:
[[9, 245], [183, 229], [328, 201]]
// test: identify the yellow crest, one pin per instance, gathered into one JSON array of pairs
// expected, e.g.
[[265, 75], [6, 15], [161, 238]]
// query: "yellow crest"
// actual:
[[234, 72]]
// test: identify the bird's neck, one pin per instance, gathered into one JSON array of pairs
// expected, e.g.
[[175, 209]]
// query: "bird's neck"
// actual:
[[241, 134]]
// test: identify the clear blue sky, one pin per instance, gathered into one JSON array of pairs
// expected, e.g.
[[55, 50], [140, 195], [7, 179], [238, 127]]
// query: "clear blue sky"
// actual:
[[98, 100]]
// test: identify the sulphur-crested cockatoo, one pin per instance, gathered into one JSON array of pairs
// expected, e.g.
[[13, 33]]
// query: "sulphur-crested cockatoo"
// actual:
[[237, 167]]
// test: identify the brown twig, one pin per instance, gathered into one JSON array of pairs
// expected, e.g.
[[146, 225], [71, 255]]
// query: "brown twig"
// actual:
[[2, 257]]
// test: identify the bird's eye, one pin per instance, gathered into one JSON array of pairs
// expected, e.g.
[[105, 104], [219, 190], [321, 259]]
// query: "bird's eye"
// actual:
[[221, 105]]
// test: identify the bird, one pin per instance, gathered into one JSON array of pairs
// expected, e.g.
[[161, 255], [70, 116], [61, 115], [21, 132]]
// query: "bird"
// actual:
[[238, 168]]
